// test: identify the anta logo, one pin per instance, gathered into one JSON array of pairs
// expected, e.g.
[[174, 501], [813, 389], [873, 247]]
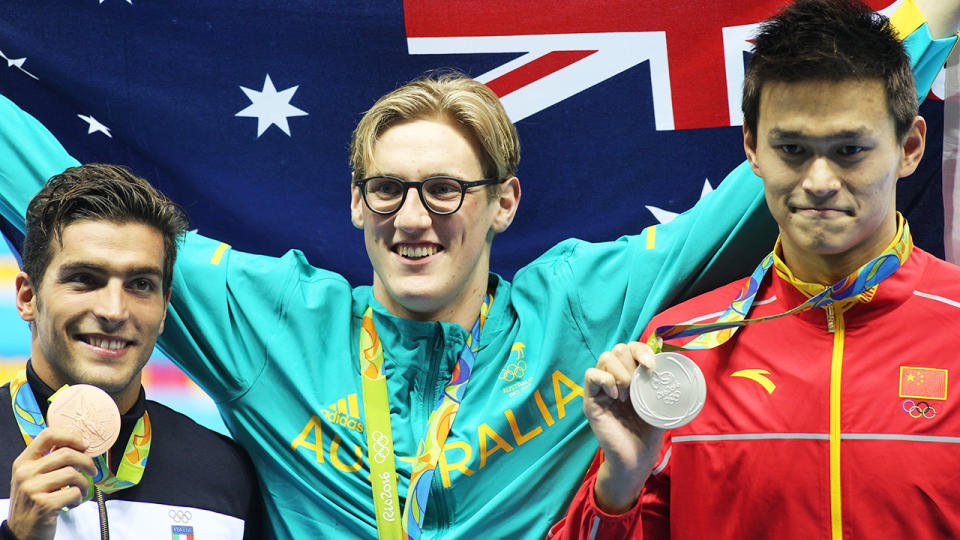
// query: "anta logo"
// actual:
[[758, 376], [345, 412]]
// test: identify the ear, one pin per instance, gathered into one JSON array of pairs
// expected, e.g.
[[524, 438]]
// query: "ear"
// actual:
[[750, 148], [507, 204], [914, 143], [166, 304], [356, 206], [26, 297]]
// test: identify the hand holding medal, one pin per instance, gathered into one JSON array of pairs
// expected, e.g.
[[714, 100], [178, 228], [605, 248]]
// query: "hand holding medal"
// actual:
[[53, 471]]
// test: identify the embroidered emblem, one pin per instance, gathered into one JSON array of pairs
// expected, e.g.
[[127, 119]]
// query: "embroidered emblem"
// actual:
[[923, 383], [345, 412], [758, 376], [515, 370], [181, 532], [918, 409]]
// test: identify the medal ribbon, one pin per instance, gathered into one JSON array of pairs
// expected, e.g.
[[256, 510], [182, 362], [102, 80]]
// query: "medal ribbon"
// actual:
[[734, 317], [30, 420], [376, 409]]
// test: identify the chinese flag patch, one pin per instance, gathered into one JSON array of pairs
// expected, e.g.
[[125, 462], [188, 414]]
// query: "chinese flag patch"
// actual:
[[923, 383]]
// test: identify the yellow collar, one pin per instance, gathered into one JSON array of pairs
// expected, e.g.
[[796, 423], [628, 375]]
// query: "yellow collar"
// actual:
[[813, 289]]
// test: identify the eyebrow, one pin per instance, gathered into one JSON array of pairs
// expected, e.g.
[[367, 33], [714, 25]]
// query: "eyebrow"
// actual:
[[431, 175], [97, 269], [777, 133]]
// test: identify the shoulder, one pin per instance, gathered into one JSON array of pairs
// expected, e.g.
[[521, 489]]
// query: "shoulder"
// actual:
[[183, 452], [939, 281], [194, 440]]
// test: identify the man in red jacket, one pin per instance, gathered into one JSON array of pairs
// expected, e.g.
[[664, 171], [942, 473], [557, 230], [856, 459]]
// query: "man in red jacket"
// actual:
[[834, 420]]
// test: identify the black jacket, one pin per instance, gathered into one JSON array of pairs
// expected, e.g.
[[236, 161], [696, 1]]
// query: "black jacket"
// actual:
[[196, 481]]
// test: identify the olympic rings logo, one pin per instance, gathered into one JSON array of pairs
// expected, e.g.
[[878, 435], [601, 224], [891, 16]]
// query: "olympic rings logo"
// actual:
[[918, 409], [179, 516], [381, 447], [513, 371]]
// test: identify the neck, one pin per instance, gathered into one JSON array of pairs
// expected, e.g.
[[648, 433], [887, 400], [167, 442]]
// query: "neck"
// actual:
[[461, 306], [464, 311], [125, 399], [829, 268]]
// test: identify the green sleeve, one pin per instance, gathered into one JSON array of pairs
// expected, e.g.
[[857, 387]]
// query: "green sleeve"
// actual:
[[227, 307], [29, 155], [615, 288]]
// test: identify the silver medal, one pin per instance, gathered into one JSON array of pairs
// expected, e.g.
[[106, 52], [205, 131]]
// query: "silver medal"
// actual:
[[672, 394]]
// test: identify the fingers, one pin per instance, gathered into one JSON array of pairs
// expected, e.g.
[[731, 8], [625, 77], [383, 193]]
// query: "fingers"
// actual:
[[643, 354], [56, 489], [598, 381], [620, 362], [51, 438], [48, 470], [45, 478]]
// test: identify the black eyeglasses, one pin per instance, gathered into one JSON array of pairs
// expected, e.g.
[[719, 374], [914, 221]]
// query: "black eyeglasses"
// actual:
[[441, 195]]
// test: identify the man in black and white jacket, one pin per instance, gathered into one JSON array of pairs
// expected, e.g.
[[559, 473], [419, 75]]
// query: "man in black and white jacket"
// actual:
[[97, 262]]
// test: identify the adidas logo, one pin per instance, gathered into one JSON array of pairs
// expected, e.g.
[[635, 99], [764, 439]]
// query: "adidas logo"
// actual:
[[345, 412]]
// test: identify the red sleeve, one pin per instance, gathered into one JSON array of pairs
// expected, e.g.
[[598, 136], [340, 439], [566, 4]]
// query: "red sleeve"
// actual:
[[649, 518], [584, 520]]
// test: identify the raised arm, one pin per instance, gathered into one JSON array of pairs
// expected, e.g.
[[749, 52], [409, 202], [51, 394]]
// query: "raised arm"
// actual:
[[943, 16]]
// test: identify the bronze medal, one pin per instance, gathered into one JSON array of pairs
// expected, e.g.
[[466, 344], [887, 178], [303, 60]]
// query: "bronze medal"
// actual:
[[89, 411]]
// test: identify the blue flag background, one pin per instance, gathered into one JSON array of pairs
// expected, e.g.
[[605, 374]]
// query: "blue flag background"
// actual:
[[242, 111]]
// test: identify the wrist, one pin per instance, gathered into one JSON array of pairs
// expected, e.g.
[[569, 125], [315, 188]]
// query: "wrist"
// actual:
[[616, 491]]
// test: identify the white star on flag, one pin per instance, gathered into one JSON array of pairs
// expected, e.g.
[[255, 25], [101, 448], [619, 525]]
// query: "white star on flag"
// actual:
[[666, 216], [95, 126], [271, 108], [17, 63], [128, 1]]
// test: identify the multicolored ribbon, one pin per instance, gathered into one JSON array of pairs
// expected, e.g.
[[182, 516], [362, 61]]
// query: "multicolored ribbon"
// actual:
[[30, 420], [734, 317], [376, 409]]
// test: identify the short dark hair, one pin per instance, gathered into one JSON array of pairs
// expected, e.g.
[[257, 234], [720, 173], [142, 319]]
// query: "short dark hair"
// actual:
[[98, 192], [830, 40]]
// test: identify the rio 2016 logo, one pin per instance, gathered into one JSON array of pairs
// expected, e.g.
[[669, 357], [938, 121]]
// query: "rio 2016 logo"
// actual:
[[386, 496]]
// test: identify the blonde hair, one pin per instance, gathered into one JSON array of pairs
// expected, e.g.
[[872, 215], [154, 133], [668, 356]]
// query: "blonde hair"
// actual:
[[452, 95]]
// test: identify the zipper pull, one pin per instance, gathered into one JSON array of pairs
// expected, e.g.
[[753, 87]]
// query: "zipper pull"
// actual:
[[831, 318]]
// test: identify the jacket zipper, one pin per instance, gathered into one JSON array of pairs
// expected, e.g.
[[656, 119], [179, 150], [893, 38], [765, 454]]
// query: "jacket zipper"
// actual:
[[436, 501], [836, 371], [104, 523]]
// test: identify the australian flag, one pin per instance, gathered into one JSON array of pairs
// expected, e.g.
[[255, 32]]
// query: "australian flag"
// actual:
[[241, 111]]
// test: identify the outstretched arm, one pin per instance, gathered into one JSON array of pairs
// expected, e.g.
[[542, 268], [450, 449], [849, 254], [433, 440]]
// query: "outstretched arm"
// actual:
[[943, 16]]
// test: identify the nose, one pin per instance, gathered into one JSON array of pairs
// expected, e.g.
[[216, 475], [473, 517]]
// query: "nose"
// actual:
[[821, 180], [412, 215], [111, 308]]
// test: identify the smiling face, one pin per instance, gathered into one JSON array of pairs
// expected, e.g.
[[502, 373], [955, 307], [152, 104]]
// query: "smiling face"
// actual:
[[99, 309], [830, 159], [431, 267]]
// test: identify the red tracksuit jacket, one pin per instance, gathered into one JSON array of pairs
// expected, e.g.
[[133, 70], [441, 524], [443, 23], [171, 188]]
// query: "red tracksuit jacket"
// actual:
[[837, 422]]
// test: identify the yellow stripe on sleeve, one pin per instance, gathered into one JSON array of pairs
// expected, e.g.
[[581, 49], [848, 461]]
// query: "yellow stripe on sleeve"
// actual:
[[218, 254], [651, 236]]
